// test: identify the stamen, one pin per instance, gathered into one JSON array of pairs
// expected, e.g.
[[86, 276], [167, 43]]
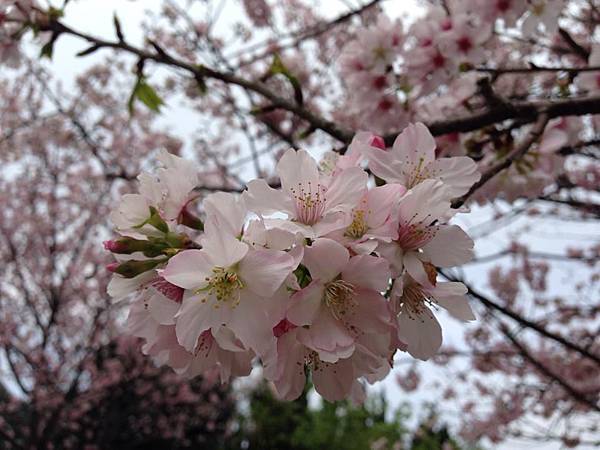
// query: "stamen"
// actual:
[[225, 285], [310, 204], [358, 227], [339, 297], [412, 236], [415, 301]]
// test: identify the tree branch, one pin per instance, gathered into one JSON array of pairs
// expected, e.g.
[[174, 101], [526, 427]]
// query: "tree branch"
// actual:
[[520, 151]]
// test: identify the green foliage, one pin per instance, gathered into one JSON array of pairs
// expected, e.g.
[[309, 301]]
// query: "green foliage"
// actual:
[[146, 94], [273, 425], [270, 424]]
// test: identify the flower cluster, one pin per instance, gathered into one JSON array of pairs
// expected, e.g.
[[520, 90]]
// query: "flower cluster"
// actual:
[[327, 274]]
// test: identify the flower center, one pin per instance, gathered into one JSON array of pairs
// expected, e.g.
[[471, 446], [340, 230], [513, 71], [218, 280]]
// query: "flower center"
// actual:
[[414, 236], [225, 285], [358, 227], [310, 203], [414, 300], [339, 297]]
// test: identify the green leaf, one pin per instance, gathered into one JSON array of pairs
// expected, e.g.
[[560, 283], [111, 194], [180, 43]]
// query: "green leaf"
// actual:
[[156, 221], [277, 67], [302, 276], [143, 92]]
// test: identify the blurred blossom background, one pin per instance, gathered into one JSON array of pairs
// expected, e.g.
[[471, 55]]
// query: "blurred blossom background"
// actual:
[[526, 374]]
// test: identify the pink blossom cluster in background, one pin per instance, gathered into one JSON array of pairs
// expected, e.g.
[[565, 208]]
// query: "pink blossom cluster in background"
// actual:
[[327, 273]]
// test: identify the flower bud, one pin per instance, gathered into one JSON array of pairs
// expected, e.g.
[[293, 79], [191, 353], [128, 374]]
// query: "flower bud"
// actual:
[[377, 141], [133, 268], [190, 220], [112, 267]]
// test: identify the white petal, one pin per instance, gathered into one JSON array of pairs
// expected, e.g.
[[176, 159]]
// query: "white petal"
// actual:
[[227, 211], [263, 270], [196, 316], [263, 199], [369, 272], [346, 189], [458, 174], [450, 246], [305, 304], [189, 269], [224, 249], [414, 267], [297, 168], [325, 259], [422, 333]]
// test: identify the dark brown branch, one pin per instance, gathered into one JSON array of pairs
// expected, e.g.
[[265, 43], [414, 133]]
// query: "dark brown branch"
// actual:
[[520, 151], [578, 396], [573, 44], [534, 69], [525, 322]]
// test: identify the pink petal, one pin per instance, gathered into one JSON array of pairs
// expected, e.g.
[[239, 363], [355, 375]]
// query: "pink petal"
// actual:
[[369, 272], [263, 199], [346, 189], [450, 246], [189, 269], [263, 270], [422, 333], [325, 259], [305, 304]]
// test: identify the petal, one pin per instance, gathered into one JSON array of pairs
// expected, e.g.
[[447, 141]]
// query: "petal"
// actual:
[[263, 270], [305, 304], [371, 314], [332, 221], [380, 201], [394, 254], [346, 189], [328, 336], [458, 306], [297, 168], [197, 316], [290, 361], [189, 269], [227, 211], [458, 174], [263, 199], [248, 320], [426, 202], [334, 381], [224, 249], [120, 287], [162, 309], [325, 259], [385, 165], [414, 267], [450, 246], [451, 296], [415, 146], [227, 339], [369, 272], [422, 333]]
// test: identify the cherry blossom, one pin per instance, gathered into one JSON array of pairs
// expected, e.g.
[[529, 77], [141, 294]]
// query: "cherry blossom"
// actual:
[[412, 160]]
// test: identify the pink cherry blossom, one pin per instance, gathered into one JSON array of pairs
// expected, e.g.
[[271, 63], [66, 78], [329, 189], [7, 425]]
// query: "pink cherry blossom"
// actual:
[[412, 160]]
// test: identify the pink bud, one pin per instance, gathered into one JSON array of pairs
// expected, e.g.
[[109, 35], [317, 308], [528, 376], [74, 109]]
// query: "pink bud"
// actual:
[[112, 267], [283, 327], [112, 246], [377, 141]]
